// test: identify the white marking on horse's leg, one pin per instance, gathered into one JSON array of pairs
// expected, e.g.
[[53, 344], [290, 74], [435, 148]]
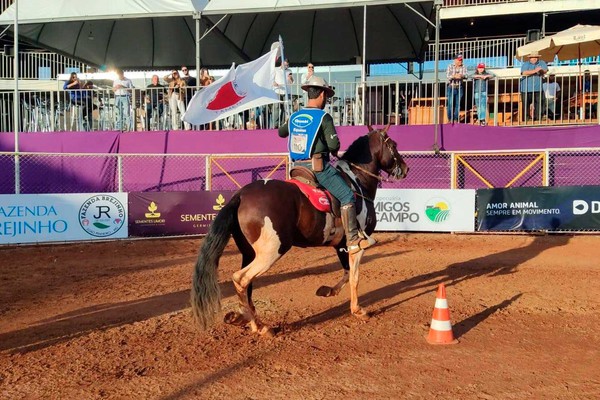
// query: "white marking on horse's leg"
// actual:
[[266, 248], [355, 308]]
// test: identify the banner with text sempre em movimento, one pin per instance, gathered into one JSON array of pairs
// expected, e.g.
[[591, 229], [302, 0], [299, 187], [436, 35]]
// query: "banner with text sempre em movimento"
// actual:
[[37, 218], [539, 208]]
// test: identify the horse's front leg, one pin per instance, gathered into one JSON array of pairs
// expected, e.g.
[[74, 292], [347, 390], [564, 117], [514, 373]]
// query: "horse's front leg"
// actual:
[[355, 308], [328, 291]]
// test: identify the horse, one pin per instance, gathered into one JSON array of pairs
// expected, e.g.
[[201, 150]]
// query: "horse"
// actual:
[[267, 217]]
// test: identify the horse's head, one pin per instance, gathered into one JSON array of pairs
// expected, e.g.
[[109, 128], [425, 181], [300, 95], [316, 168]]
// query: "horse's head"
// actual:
[[385, 153]]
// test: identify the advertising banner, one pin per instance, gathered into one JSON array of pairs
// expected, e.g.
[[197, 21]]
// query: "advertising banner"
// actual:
[[428, 210], [539, 208], [35, 218], [174, 213]]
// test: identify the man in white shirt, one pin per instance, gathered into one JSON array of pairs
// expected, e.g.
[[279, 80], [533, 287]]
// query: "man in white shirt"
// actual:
[[310, 71], [122, 88], [283, 75], [551, 89]]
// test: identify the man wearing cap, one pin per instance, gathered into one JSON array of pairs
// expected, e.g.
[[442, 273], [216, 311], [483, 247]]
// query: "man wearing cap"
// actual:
[[480, 91], [312, 137], [530, 86], [456, 73]]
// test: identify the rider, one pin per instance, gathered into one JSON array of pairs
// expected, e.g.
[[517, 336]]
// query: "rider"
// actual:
[[312, 137]]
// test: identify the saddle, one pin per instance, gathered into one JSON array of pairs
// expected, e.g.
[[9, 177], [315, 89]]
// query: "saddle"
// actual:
[[319, 197]]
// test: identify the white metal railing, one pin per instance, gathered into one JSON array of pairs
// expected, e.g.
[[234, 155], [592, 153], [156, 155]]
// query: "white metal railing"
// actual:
[[4, 4], [463, 3], [396, 102], [494, 52], [38, 65]]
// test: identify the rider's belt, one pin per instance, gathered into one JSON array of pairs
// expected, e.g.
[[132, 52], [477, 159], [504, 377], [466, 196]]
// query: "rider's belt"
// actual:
[[318, 162]]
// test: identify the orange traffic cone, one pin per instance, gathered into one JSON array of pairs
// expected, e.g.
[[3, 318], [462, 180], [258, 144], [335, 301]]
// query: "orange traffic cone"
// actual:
[[440, 331]]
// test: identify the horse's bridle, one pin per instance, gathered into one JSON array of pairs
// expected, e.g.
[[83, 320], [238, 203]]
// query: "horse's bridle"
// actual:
[[396, 171]]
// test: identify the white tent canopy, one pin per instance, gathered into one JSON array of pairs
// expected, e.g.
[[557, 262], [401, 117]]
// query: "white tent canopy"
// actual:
[[324, 31], [36, 11], [162, 33]]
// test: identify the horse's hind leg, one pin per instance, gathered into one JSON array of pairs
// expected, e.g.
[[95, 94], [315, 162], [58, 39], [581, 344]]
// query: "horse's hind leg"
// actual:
[[328, 291], [266, 249]]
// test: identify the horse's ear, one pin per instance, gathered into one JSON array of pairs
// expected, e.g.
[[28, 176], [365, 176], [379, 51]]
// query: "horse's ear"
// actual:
[[370, 128], [387, 127]]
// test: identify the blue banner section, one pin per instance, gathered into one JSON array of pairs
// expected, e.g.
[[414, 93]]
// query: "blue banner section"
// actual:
[[303, 127], [542, 208]]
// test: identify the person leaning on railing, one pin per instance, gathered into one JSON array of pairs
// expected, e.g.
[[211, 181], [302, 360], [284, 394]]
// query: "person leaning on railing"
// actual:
[[456, 73], [530, 86]]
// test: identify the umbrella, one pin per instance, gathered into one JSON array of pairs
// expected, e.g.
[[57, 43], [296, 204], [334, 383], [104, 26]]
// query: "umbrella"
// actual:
[[578, 42]]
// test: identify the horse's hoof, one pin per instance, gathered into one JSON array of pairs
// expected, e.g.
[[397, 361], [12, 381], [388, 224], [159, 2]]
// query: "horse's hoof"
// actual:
[[361, 314], [235, 318], [325, 291], [267, 332]]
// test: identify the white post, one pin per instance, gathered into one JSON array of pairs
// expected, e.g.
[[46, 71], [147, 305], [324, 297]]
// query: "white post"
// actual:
[[16, 102], [436, 85], [363, 74]]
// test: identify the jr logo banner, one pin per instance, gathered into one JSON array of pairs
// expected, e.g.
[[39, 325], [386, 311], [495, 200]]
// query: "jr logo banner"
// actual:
[[542, 208], [34, 218]]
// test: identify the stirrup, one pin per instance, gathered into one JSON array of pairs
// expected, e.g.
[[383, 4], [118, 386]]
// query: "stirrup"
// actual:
[[358, 245]]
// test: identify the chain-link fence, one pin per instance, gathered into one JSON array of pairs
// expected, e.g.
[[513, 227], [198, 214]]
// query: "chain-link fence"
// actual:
[[87, 173]]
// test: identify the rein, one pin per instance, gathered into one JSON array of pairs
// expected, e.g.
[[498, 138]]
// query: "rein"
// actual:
[[378, 177]]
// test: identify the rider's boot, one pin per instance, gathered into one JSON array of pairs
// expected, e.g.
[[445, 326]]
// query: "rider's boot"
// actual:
[[354, 242]]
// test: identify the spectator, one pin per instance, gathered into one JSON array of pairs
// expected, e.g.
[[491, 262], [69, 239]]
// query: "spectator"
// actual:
[[587, 81], [205, 78], [551, 89], [176, 94], [283, 77], [530, 86], [87, 101], [456, 73], [122, 88], [74, 86], [310, 70], [154, 100], [191, 84], [480, 90]]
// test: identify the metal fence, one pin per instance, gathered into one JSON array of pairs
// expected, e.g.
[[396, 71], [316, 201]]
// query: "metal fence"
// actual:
[[38, 64], [87, 173], [463, 3], [395, 102]]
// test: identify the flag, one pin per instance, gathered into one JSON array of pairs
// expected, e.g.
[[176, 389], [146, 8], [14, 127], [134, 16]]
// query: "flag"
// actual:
[[247, 86]]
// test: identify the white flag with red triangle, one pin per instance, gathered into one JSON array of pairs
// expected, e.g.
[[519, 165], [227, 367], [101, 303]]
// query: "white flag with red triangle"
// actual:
[[247, 86]]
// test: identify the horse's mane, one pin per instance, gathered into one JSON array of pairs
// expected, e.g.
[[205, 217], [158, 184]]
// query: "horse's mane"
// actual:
[[359, 151]]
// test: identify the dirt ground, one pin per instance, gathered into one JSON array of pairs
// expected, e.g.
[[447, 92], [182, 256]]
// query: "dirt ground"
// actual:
[[112, 320]]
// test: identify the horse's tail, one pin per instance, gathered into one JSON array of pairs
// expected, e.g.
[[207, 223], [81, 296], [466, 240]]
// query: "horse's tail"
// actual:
[[206, 294]]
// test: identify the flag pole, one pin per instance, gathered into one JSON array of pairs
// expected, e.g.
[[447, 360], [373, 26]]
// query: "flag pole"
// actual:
[[286, 103]]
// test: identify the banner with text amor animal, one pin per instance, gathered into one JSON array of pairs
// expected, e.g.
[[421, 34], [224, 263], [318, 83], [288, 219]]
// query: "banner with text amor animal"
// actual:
[[566, 208], [428, 210], [36, 218]]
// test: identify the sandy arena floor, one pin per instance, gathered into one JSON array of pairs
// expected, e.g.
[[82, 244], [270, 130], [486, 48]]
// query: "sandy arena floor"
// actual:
[[111, 320]]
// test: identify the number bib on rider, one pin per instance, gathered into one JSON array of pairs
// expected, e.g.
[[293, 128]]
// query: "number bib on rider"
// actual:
[[303, 126]]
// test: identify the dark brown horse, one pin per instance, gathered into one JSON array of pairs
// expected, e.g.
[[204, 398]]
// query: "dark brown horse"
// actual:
[[268, 217]]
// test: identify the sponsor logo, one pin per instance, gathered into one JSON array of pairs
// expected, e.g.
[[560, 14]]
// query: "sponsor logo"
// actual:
[[437, 210], [102, 215], [152, 208], [302, 120], [581, 207], [219, 202]]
